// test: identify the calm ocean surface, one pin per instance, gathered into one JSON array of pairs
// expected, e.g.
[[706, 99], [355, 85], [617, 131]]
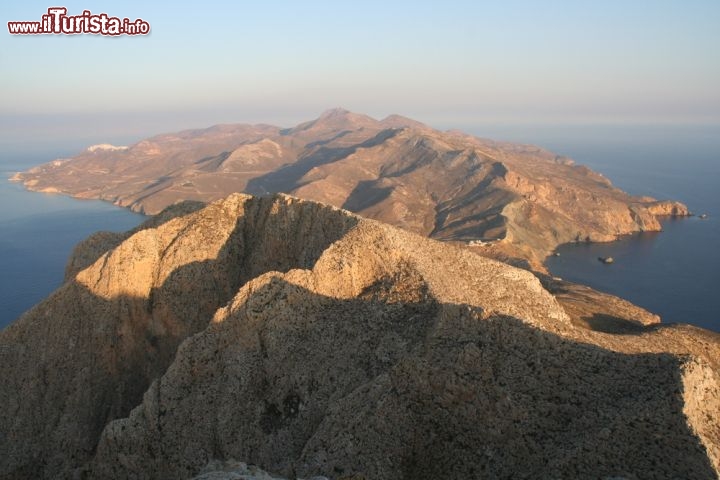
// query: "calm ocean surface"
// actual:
[[37, 234], [675, 274]]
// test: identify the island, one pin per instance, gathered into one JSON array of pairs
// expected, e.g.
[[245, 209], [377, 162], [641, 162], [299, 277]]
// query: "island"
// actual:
[[512, 202]]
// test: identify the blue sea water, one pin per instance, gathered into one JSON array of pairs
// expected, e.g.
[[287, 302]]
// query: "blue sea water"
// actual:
[[675, 273], [37, 234]]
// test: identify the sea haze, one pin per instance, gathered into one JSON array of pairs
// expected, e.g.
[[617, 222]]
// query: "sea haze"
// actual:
[[37, 234], [676, 273]]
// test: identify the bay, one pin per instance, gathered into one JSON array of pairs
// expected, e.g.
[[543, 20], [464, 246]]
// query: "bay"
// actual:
[[37, 234], [675, 273]]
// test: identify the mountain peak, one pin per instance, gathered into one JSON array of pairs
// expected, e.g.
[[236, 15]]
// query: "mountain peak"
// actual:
[[447, 185], [335, 113], [336, 119], [342, 115]]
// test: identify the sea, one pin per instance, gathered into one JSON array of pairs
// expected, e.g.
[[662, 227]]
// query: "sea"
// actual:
[[38, 232], [674, 273]]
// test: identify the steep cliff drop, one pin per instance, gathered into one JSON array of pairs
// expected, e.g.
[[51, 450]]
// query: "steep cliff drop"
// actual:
[[308, 341]]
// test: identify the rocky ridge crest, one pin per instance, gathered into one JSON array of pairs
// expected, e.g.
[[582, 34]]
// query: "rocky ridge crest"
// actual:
[[309, 341]]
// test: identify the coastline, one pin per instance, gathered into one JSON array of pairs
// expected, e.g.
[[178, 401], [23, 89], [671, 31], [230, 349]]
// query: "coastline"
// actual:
[[37, 236], [659, 209], [623, 155], [669, 272]]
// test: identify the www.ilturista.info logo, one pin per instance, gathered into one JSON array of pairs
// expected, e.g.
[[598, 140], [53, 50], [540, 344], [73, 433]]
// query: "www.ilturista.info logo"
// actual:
[[58, 22]]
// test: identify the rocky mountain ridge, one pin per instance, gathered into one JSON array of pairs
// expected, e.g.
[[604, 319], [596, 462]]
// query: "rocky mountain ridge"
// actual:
[[309, 341], [518, 201]]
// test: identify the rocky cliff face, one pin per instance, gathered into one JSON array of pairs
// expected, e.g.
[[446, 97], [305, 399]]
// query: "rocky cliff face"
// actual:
[[446, 185], [308, 341]]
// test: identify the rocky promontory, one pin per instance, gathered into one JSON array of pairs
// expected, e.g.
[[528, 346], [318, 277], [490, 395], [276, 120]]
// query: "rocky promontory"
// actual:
[[519, 200], [308, 341]]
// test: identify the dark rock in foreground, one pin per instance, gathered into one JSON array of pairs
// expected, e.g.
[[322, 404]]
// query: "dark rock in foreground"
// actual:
[[305, 340]]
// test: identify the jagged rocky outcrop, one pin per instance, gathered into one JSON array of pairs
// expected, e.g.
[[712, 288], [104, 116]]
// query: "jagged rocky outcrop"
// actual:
[[446, 185], [308, 341]]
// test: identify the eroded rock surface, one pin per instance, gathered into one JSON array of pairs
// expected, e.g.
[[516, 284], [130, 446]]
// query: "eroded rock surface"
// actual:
[[446, 185], [308, 341]]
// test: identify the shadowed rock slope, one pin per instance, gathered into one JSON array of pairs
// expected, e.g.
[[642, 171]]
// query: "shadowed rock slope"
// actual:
[[309, 341], [446, 185]]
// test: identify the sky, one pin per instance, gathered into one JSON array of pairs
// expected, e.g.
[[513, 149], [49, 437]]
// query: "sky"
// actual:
[[448, 64]]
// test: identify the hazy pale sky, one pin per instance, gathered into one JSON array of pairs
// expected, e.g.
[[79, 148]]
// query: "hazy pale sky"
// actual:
[[440, 62]]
